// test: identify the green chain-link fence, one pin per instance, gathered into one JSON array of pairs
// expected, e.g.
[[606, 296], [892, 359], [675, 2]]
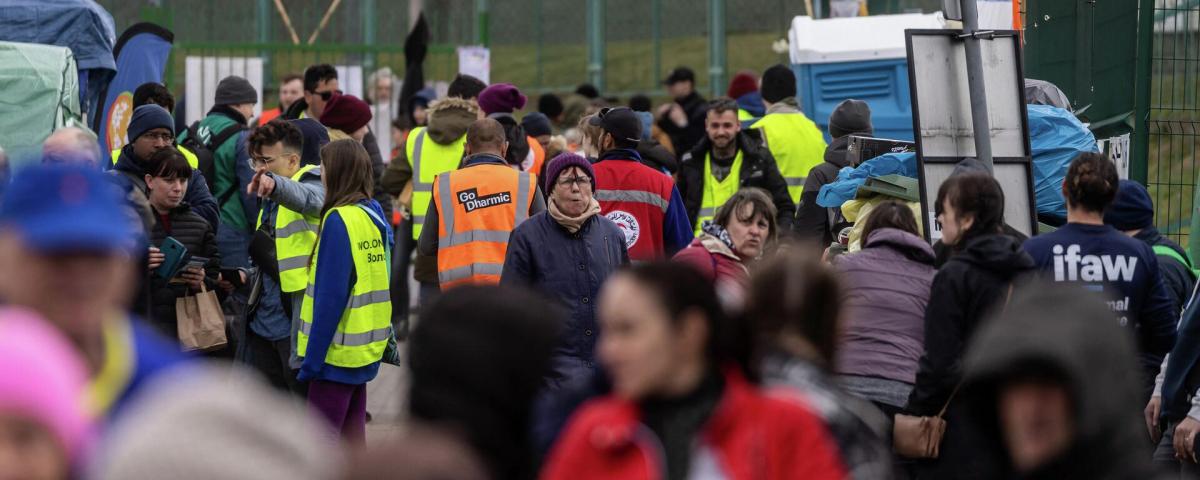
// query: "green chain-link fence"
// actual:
[[1173, 114], [539, 45]]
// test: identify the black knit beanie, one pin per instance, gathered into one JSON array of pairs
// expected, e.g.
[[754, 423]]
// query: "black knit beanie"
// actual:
[[778, 83]]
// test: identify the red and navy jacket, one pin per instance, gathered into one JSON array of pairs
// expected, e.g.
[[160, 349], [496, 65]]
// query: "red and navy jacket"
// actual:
[[644, 203]]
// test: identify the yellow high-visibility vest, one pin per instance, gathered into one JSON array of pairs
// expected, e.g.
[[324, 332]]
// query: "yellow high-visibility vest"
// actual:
[[366, 323], [797, 145], [717, 192], [295, 235], [428, 159], [191, 157]]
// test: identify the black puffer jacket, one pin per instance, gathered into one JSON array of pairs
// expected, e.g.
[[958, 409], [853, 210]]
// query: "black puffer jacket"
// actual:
[[758, 170], [812, 220], [197, 236], [1069, 334], [1176, 275], [972, 284]]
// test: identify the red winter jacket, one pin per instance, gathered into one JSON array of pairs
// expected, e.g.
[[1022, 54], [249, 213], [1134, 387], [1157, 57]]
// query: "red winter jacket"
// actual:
[[753, 436]]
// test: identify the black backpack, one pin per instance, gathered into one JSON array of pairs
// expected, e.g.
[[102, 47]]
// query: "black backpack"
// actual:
[[204, 152]]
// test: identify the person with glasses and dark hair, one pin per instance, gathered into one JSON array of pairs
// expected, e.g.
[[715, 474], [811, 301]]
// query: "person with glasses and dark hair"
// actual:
[[292, 195], [642, 201], [729, 158]]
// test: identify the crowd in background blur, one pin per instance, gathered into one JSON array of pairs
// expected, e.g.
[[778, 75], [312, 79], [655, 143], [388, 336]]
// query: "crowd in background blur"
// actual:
[[603, 289]]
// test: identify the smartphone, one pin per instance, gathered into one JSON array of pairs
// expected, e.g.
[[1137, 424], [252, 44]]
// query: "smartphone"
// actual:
[[233, 276], [174, 253]]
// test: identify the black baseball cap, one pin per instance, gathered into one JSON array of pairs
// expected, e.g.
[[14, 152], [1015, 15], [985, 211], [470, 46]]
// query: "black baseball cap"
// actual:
[[680, 74], [621, 122]]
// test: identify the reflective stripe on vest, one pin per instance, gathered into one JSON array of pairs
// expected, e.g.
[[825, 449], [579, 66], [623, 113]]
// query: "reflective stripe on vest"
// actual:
[[187, 155], [428, 159], [295, 235], [365, 325], [637, 196], [717, 192], [477, 208], [797, 145], [1165, 251]]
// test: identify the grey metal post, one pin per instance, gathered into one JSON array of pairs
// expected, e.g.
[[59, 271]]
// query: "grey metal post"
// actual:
[[369, 32], [595, 31], [975, 83], [716, 47]]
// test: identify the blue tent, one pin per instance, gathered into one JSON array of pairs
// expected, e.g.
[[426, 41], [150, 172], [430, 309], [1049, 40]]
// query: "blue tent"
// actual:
[[81, 25]]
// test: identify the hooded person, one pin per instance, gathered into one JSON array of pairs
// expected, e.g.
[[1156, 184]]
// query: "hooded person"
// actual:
[[814, 222], [467, 379], [985, 265], [498, 102], [1132, 212], [315, 137], [1031, 388]]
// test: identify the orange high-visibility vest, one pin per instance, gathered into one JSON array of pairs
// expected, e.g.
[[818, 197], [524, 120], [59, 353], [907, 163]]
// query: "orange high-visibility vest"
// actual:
[[539, 157], [478, 207]]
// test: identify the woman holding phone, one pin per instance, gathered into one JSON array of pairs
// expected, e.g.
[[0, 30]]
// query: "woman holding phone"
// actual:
[[168, 174], [345, 319]]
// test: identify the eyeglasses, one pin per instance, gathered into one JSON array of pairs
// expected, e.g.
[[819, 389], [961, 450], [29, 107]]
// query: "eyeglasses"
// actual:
[[580, 181], [263, 160], [165, 137], [327, 95]]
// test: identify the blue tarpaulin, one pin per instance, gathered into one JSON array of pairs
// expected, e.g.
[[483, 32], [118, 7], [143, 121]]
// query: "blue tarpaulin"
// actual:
[[1055, 136], [81, 25], [834, 194]]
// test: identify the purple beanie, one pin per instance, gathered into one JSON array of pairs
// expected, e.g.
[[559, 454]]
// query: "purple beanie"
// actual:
[[562, 162], [501, 98]]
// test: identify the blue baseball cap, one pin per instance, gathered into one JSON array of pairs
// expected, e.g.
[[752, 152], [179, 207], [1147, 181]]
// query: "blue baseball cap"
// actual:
[[68, 208]]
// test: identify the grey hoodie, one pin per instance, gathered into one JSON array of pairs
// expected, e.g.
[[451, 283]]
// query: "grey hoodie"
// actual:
[[1066, 333]]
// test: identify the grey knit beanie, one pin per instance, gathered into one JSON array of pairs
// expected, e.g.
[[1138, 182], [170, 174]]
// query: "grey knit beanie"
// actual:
[[235, 90]]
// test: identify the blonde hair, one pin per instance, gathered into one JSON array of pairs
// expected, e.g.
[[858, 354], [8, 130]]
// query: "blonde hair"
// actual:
[[592, 136]]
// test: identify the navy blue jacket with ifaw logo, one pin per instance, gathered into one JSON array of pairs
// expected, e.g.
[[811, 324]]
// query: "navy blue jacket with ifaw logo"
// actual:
[[1121, 268]]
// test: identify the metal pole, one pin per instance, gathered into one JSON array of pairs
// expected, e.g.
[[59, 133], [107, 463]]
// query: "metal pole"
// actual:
[[481, 22], [368, 20], [264, 36], [1139, 166], [716, 46], [596, 43], [656, 34], [414, 11], [975, 84], [540, 37]]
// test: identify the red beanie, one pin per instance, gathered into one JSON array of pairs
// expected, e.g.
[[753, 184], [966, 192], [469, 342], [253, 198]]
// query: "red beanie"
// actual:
[[742, 83], [346, 113]]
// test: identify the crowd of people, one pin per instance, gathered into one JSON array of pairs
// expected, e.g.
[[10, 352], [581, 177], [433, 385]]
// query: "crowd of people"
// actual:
[[604, 291]]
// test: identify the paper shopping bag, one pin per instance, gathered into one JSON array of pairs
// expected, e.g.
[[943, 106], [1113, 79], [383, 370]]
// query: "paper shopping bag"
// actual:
[[201, 321]]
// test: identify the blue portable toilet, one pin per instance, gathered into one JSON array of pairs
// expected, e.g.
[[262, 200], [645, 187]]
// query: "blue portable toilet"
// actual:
[[859, 57]]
